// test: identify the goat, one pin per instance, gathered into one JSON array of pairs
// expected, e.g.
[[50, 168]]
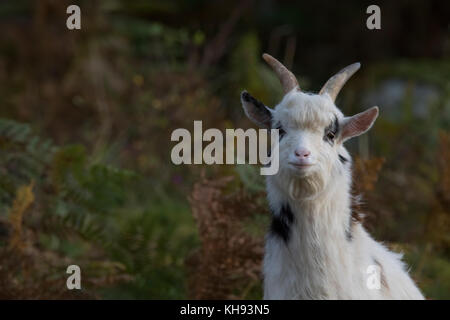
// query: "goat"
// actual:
[[314, 249]]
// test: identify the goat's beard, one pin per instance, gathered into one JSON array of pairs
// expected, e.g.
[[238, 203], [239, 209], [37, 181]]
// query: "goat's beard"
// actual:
[[307, 186]]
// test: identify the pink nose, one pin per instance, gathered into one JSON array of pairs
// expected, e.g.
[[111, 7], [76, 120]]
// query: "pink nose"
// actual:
[[302, 153]]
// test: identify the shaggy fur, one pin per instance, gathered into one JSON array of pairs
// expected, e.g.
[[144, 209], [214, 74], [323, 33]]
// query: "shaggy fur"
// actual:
[[314, 250]]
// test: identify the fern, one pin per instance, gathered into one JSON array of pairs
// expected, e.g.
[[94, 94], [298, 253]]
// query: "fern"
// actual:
[[71, 199]]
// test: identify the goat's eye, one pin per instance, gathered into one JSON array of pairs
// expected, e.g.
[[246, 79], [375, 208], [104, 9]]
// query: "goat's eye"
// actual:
[[281, 132], [330, 135], [331, 131]]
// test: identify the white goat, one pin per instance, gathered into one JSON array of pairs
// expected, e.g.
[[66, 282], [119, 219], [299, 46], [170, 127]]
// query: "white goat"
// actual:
[[314, 249]]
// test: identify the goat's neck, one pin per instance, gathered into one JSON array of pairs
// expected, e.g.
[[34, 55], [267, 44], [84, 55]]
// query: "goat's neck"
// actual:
[[324, 219], [327, 215], [317, 251]]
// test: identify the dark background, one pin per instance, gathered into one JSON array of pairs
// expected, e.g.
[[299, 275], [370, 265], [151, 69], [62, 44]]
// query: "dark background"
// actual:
[[86, 118]]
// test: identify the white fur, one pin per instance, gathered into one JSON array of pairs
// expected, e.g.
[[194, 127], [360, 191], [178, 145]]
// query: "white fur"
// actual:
[[319, 261]]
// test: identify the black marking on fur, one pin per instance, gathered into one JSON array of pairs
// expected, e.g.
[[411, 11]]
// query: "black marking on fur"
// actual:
[[282, 222], [249, 98], [281, 131], [331, 131], [349, 235], [343, 159], [336, 124], [348, 230], [259, 113], [258, 104]]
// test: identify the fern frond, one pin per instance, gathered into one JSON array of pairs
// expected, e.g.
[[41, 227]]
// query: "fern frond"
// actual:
[[23, 200]]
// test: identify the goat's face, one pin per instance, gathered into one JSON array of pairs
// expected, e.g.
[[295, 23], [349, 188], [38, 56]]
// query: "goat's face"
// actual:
[[308, 127], [312, 131]]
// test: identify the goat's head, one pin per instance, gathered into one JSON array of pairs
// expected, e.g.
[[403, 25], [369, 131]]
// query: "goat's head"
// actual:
[[312, 128]]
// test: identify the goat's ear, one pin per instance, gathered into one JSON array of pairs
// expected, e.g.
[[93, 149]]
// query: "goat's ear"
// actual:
[[359, 123], [256, 110]]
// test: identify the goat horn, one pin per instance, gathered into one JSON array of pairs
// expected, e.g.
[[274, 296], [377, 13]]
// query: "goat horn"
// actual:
[[287, 78], [336, 82]]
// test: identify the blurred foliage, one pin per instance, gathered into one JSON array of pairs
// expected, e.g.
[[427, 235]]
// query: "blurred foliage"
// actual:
[[103, 193], [228, 263]]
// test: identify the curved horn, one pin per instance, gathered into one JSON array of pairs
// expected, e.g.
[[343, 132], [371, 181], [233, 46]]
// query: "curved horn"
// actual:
[[336, 82], [287, 78]]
